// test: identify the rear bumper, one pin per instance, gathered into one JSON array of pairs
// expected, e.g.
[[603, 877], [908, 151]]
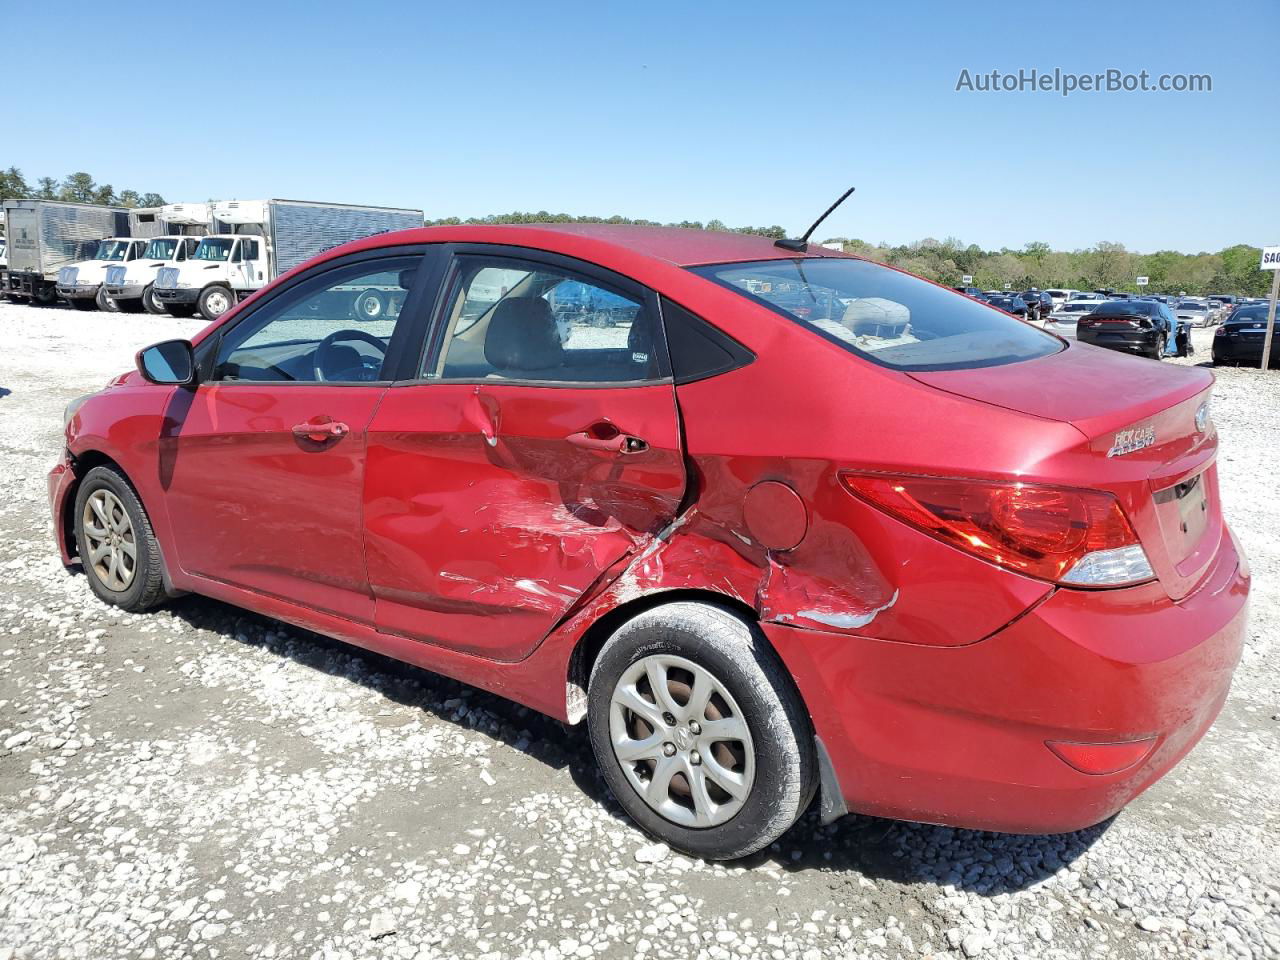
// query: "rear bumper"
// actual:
[[1137, 341], [1240, 350], [181, 295], [958, 735]]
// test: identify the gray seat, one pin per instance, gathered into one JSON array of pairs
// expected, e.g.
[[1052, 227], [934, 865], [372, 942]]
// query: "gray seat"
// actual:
[[522, 342]]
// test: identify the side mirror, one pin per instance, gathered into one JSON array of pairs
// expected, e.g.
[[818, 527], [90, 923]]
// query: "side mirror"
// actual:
[[171, 363]]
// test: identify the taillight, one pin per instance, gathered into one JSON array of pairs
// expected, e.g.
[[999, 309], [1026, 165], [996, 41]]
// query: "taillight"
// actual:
[[1063, 534]]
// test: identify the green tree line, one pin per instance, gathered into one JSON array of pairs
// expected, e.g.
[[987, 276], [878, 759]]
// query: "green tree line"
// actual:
[[1104, 265], [77, 187]]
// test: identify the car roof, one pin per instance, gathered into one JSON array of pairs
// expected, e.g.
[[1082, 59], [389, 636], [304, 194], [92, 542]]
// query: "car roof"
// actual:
[[681, 246]]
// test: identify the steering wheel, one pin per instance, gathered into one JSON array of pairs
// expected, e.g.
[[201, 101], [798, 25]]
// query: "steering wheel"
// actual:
[[367, 369]]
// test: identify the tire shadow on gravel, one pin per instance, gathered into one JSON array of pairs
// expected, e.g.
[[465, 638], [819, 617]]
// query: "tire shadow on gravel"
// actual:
[[976, 861]]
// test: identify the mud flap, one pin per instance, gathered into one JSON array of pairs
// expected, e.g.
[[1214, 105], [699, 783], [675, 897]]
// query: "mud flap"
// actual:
[[831, 805]]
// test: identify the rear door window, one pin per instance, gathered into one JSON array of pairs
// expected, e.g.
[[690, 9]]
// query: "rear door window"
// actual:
[[886, 316]]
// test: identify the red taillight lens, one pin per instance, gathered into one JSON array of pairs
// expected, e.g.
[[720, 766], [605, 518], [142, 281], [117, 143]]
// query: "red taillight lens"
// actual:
[[1038, 530]]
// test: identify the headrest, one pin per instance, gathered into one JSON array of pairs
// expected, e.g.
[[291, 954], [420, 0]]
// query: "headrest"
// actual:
[[522, 337]]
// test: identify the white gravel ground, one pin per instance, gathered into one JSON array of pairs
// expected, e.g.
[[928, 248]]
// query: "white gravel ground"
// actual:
[[201, 782]]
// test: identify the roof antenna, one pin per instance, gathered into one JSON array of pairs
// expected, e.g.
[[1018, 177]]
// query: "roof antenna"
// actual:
[[803, 243]]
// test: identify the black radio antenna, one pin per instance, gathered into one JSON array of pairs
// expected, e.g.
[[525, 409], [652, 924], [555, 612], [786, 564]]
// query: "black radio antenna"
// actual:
[[803, 243]]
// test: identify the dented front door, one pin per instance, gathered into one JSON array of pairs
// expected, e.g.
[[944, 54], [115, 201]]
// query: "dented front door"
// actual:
[[490, 508]]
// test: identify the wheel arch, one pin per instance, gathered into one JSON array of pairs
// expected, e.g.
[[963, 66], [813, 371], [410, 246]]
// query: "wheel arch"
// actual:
[[81, 464], [593, 639]]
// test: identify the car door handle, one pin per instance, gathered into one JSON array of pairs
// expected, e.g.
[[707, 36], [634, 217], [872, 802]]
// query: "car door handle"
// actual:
[[619, 444], [320, 432]]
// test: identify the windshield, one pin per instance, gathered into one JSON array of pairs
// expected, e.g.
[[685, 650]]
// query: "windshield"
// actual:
[[112, 250], [160, 249], [213, 248], [886, 316]]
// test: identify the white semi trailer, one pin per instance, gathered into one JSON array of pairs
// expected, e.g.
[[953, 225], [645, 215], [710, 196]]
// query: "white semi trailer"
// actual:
[[177, 228], [46, 235], [255, 241]]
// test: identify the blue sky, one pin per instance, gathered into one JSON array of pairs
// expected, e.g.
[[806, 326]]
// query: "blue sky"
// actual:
[[752, 113]]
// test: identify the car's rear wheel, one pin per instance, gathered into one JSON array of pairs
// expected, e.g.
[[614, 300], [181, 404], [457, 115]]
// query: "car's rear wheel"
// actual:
[[700, 732], [116, 544]]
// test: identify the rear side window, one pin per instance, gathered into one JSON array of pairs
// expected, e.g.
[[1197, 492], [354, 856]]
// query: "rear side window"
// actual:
[[888, 317], [698, 350], [515, 320]]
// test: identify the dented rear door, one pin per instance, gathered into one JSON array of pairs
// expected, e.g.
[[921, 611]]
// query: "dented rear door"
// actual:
[[485, 522]]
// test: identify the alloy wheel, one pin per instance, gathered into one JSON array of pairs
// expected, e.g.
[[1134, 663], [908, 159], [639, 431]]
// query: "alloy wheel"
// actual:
[[113, 549], [681, 741]]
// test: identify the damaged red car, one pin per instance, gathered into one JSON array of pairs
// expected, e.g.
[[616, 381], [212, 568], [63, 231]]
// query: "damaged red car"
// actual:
[[783, 526]]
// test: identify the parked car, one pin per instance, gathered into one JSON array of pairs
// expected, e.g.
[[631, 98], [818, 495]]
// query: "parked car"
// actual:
[[1063, 320], [971, 292], [1134, 326], [1059, 297], [1039, 304], [1195, 312], [1011, 303], [1240, 339], [909, 556]]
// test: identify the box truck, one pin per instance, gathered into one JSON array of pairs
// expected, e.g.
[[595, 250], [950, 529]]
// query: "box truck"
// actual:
[[177, 228], [46, 235], [255, 241]]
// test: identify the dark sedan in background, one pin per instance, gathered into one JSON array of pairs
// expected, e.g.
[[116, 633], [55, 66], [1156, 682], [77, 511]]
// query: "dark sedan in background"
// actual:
[[1039, 304], [1143, 327], [1240, 338]]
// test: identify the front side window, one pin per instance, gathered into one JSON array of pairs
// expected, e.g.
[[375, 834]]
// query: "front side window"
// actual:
[[112, 250], [888, 317], [513, 320], [336, 327], [216, 249], [160, 249]]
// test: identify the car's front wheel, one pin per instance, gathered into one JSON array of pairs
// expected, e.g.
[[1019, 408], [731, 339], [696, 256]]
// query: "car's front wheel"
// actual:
[[699, 731], [116, 544]]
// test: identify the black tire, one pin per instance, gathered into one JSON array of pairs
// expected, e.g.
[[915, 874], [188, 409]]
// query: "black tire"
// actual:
[[146, 589], [45, 296], [741, 660], [105, 303], [150, 303], [180, 310], [82, 304], [211, 296], [368, 306]]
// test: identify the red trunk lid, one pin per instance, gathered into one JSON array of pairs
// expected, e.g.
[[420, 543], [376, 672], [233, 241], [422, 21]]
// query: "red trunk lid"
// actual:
[[1141, 442]]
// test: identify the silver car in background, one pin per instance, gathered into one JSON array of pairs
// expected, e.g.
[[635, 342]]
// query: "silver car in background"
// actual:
[[1195, 312], [1063, 319]]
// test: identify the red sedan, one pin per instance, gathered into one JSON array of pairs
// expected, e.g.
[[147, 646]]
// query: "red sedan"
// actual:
[[775, 522]]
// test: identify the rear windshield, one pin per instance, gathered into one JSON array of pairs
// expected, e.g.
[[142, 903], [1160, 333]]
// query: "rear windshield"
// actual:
[[1124, 308], [888, 317]]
